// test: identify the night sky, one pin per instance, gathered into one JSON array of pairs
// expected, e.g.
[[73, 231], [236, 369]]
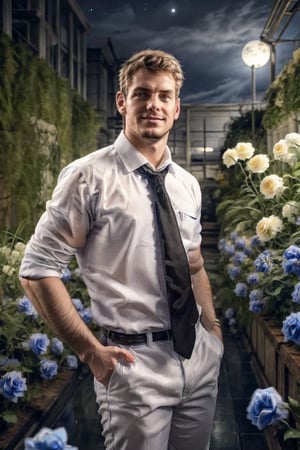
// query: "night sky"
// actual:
[[207, 36]]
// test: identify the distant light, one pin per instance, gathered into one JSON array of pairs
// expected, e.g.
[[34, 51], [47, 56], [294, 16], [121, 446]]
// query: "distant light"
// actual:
[[256, 53], [202, 149], [173, 10], [91, 9]]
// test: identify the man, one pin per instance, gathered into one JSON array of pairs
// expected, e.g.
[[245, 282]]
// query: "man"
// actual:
[[102, 210]]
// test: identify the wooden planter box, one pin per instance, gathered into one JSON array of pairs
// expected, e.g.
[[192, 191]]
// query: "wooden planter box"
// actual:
[[277, 363]]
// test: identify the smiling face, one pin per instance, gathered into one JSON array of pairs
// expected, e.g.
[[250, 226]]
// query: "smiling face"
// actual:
[[150, 107]]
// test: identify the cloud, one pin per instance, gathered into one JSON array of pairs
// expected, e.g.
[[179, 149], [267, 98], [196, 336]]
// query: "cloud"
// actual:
[[207, 39]]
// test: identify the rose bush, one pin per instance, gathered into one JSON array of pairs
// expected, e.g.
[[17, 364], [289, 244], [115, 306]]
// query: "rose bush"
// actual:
[[260, 234], [29, 352]]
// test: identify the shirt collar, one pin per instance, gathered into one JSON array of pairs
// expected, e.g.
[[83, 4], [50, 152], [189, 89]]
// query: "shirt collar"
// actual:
[[133, 159]]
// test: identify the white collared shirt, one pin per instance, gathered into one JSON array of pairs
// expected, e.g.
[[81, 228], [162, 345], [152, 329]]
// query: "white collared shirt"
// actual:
[[101, 212]]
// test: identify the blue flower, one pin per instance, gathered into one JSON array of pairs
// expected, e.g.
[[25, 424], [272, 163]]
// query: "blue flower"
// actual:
[[13, 385], [255, 241], [48, 369], [25, 306], [296, 293], [241, 290], [266, 407], [292, 252], [291, 260], [66, 276], [233, 272], [86, 315], [78, 304], [256, 306], [72, 362], [291, 328], [253, 278], [233, 235], [263, 262], [229, 313], [240, 243], [57, 346], [221, 244], [47, 439], [229, 250], [256, 294], [238, 258], [38, 343]]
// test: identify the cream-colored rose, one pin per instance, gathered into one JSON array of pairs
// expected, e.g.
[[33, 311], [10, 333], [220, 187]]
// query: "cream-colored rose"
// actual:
[[8, 270], [244, 150], [280, 150], [291, 211], [229, 157], [292, 140], [258, 163], [268, 227], [271, 185]]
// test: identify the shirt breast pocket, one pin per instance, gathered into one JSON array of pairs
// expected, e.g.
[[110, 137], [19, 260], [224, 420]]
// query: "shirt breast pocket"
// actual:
[[189, 226]]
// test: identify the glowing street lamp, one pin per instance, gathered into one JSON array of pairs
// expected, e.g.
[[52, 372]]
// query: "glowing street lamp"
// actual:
[[255, 54]]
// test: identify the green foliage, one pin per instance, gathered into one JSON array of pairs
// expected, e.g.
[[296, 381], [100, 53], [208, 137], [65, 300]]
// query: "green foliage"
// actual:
[[43, 125], [283, 96]]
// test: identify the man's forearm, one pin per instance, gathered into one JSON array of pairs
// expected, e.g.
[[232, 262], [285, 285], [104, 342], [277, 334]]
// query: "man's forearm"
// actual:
[[52, 301]]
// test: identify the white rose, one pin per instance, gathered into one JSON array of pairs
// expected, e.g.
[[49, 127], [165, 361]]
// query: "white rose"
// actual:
[[280, 150], [258, 163], [268, 227], [8, 270], [291, 210], [229, 157], [244, 150], [271, 185], [292, 140]]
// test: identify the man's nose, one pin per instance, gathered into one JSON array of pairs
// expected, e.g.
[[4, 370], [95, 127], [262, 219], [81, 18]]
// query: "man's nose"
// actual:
[[153, 102]]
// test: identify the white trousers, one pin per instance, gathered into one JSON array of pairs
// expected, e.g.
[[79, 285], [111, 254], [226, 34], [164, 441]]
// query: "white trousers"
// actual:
[[162, 401]]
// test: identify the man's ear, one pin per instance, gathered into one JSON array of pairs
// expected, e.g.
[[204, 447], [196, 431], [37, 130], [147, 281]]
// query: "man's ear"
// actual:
[[120, 102]]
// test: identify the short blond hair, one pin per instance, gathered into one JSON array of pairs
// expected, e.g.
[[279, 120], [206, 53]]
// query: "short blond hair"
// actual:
[[153, 60]]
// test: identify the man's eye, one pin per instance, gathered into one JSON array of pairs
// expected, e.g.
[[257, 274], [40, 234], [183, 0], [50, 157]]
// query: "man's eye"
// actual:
[[140, 94]]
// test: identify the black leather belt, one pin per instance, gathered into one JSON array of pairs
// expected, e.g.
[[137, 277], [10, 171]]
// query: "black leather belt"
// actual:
[[141, 338]]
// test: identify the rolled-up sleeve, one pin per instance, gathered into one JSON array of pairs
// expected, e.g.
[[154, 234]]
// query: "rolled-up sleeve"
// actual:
[[61, 230]]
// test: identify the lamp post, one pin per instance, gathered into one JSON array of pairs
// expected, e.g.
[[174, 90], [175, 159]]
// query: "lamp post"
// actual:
[[255, 54]]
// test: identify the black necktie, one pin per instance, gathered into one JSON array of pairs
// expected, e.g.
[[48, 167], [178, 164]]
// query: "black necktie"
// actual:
[[182, 305]]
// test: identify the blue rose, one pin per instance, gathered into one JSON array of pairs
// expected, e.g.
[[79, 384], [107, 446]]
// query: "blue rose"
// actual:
[[255, 241], [57, 346], [86, 315], [229, 250], [78, 304], [241, 290], [256, 306], [266, 407], [238, 258], [13, 385], [25, 306], [47, 439], [256, 294], [296, 293], [72, 362], [48, 369], [263, 262], [233, 272], [253, 278], [38, 343], [240, 243], [229, 313], [233, 235], [292, 252], [66, 276], [291, 328]]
